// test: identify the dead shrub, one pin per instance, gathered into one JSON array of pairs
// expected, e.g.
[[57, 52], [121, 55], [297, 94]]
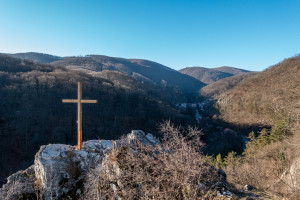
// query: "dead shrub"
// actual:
[[173, 170]]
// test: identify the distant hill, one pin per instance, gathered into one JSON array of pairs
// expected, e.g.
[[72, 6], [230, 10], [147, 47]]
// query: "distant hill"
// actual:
[[268, 96], [143, 70], [221, 87], [211, 75], [36, 57], [231, 70]]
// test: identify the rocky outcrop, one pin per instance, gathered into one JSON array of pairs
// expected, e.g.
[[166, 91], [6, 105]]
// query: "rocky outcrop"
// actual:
[[60, 171]]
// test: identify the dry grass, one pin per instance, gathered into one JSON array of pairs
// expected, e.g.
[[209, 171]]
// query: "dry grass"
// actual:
[[264, 166]]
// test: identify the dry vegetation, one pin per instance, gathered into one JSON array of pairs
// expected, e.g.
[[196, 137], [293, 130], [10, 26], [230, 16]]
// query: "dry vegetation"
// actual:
[[265, 164], [272, 98], [173, 170]]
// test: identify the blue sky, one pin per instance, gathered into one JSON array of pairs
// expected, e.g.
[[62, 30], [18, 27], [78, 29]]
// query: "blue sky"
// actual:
[[249, 34]]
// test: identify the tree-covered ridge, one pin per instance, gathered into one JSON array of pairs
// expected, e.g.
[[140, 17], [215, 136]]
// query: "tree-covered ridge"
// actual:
[[265, 97], [143, 70], [32, 112]]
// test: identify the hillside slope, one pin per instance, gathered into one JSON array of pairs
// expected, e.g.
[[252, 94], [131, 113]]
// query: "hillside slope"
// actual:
[[204, 74], [217, 89], [211, 75], [269, 95], [143, 70], [269, 100], [32, 112]]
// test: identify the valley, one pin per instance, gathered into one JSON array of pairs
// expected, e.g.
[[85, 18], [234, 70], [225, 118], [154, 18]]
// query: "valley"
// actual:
[[233, 108], [32, 113]]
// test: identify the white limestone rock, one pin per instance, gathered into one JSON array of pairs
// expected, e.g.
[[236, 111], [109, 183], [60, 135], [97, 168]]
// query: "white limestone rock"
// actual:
[[138, 135], [291, 177], [60, 170]]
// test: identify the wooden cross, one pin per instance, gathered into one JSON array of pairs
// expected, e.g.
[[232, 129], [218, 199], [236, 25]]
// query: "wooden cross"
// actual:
[[79, 102]]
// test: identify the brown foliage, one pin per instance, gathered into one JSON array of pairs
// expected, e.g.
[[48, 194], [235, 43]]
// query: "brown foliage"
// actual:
[[174, 170], [266, 97], [264, 166]]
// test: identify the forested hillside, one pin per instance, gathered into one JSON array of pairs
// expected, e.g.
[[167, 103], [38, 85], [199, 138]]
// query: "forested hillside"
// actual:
[[269, 99], [32, 112]]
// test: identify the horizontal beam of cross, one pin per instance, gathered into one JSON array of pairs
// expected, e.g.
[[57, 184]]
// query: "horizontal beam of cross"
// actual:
[[81, 101]]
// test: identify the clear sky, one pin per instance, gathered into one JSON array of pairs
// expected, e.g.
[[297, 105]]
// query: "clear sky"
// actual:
[[249, 34]]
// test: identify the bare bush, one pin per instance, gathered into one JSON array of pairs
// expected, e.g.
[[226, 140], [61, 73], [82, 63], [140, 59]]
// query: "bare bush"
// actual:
[[173, 170]]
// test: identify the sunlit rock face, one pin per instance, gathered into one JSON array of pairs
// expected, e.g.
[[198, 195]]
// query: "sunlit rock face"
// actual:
[[60, 170]]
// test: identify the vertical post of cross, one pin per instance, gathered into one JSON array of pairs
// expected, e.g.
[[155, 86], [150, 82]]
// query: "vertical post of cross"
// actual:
[[79, 117]]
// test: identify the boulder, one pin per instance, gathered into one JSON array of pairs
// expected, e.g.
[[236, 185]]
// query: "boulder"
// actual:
[[138, 135], [60, 169], [291, 177], [247, 188]]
